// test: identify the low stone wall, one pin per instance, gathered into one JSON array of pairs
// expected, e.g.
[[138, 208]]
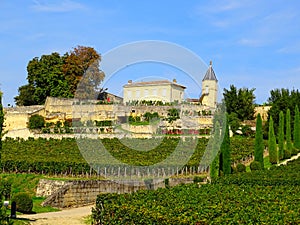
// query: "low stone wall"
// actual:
[[62, 194]]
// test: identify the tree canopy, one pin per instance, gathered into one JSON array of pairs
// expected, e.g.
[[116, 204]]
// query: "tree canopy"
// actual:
[[239, 105], [240, 101], [282, 100], [58, 76]]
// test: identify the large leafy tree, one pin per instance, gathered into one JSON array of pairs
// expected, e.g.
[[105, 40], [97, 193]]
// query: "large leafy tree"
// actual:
[[26, 95], [58, 76], [281, 100], [240, 101], [81, 69], [259, 142]]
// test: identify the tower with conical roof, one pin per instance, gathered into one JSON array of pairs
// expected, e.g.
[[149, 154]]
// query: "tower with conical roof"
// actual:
[[210, 88]]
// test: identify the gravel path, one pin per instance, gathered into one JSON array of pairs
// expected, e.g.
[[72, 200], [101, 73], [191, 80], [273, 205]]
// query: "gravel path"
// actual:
[[291, 159], [65, 217]]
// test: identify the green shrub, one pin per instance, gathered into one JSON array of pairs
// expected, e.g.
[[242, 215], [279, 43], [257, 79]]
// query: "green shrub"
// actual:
[[241, 168], [198, 179], [255, 165], [167, 185], [36, 122], [5, 189], [233, 169], [24, 202]]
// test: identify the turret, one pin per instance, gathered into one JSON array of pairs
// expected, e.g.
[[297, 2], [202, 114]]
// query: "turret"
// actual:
[[210, 88]]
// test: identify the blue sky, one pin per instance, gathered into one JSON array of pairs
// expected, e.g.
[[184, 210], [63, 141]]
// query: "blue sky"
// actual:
[[253, 44]]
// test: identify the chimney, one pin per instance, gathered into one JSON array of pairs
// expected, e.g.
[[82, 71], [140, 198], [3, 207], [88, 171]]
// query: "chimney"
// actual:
[[130, 82], [174, 81]]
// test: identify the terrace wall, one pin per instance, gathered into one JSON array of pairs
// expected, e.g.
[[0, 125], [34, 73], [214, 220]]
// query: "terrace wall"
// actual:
[[62, 194]]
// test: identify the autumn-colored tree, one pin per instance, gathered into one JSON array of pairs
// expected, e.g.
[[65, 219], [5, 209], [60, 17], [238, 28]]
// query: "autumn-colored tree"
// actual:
[[58, 76], [81, 69]]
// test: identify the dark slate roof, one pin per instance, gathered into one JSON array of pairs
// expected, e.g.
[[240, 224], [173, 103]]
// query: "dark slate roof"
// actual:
[[210, 74]]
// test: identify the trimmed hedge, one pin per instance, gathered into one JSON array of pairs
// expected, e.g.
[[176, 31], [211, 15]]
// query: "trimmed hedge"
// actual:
[[23, 201]]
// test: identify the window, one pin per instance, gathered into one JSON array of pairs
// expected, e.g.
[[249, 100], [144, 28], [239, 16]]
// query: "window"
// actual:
[[164, 92], [154, 92], [137, 93], [129, 94], [206, 89], [146, 93]]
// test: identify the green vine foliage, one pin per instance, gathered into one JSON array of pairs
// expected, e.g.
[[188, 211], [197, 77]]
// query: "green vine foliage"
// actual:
[[55, 156], [260, 197]]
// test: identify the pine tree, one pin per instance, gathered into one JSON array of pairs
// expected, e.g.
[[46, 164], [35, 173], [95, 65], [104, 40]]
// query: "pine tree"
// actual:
[[297, 129], [225, 151], [281, 136], [214, 166], [273, 155], [259, 145], [289, 146], [1, 124]]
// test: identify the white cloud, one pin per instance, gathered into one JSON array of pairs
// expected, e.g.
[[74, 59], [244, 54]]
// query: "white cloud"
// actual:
[[220, 6], [58, 6], [251, 42], [291, 49]]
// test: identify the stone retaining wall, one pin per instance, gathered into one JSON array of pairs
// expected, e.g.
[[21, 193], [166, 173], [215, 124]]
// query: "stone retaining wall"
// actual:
[[62, 194]]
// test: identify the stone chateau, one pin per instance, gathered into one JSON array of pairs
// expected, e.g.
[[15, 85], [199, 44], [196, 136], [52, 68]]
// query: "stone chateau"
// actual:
[[194, 113]]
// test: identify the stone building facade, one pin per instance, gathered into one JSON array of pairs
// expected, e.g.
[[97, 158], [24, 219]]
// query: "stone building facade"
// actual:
[[160, 90]]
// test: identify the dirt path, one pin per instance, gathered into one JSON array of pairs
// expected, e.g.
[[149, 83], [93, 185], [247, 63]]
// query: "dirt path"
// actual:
[[291, 159], [65, 217]]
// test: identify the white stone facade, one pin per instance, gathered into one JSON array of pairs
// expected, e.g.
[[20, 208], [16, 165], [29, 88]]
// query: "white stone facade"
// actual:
[[163, 90]]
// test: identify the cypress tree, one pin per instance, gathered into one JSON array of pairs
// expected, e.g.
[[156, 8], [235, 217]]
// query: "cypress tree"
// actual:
[[273, 155], [281, 136], [297, 129], [259, 145], [225, 151], [214, 166], [289, 146], [1, 125]]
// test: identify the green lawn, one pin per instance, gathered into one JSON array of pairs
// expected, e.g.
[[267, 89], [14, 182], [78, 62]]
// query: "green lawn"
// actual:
[[27, 183]]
